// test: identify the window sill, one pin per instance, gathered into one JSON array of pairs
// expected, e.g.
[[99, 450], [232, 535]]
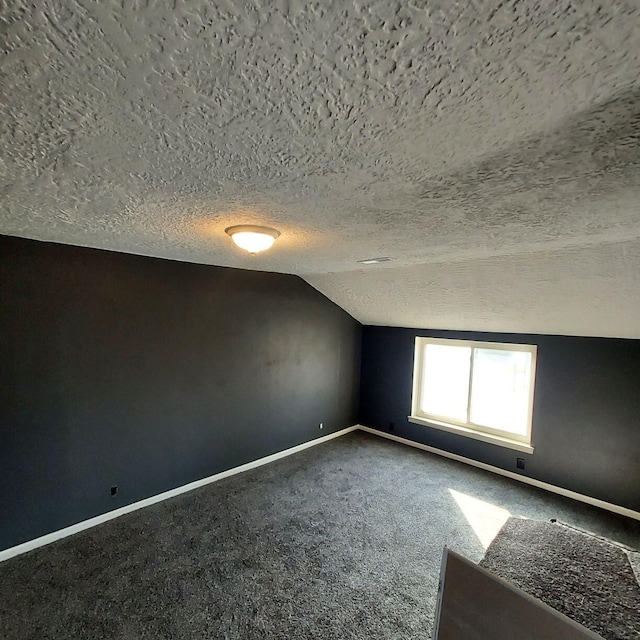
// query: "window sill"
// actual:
[[470, 433]]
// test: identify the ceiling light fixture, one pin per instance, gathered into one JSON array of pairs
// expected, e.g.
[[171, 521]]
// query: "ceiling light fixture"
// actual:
[[252, 238]]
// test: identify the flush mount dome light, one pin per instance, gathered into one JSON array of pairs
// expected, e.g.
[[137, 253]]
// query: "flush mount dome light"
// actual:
[[251, 238]]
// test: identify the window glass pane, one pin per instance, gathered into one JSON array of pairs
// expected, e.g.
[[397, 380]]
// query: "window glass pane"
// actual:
[[445, 381], [500, 389]]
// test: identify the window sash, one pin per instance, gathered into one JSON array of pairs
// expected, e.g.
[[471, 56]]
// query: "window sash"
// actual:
[[419, 370]]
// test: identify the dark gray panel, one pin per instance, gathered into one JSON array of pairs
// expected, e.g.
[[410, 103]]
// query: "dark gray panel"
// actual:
[[585, 416], [148, 374]]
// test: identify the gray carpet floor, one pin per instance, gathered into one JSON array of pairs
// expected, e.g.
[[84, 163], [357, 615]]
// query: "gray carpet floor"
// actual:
[[583, 576], [343, 540]]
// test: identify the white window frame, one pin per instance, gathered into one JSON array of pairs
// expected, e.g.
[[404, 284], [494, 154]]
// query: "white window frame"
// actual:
[[469, 429]]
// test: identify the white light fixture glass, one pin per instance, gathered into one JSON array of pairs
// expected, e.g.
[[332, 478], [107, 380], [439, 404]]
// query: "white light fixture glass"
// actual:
[[252, 238]]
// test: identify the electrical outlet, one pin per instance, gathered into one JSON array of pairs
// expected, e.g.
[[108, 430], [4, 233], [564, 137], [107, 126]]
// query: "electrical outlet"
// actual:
[[322, 425], [114, 491], [520, 463]]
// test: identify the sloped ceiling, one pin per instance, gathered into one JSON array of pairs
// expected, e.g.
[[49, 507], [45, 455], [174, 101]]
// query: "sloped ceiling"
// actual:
[[492, 149]]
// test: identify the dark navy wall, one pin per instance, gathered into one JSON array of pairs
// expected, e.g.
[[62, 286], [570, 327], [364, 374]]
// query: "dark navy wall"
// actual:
[[148, 374], [586, 419]]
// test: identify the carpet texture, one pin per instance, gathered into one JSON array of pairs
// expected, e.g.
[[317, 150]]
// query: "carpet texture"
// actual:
[[343, 540], [587, 578]]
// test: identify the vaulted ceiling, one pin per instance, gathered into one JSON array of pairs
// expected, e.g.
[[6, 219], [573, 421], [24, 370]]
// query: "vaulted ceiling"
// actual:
[[491, 148]]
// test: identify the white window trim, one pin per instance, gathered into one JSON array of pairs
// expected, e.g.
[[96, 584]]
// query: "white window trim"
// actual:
[[470, 430]]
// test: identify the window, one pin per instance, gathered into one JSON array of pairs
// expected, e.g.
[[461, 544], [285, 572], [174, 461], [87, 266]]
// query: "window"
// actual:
[[483, 390]]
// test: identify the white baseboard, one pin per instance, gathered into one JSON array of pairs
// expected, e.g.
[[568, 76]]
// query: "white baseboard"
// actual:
[[509, 474], [111, 515], [116, 513]]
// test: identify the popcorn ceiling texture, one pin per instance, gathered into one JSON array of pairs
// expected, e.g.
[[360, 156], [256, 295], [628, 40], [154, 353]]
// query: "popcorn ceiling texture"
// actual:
[[575, 291], [491, 147]]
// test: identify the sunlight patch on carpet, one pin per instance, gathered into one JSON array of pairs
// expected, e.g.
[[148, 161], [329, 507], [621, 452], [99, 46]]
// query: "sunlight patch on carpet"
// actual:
[[485, 519]]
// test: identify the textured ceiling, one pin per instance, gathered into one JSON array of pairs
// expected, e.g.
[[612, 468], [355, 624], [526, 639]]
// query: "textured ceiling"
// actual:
[[492, 148]]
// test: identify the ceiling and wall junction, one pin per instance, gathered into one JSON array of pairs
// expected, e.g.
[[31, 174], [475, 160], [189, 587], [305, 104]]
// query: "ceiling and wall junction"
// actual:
[[491, 148]]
